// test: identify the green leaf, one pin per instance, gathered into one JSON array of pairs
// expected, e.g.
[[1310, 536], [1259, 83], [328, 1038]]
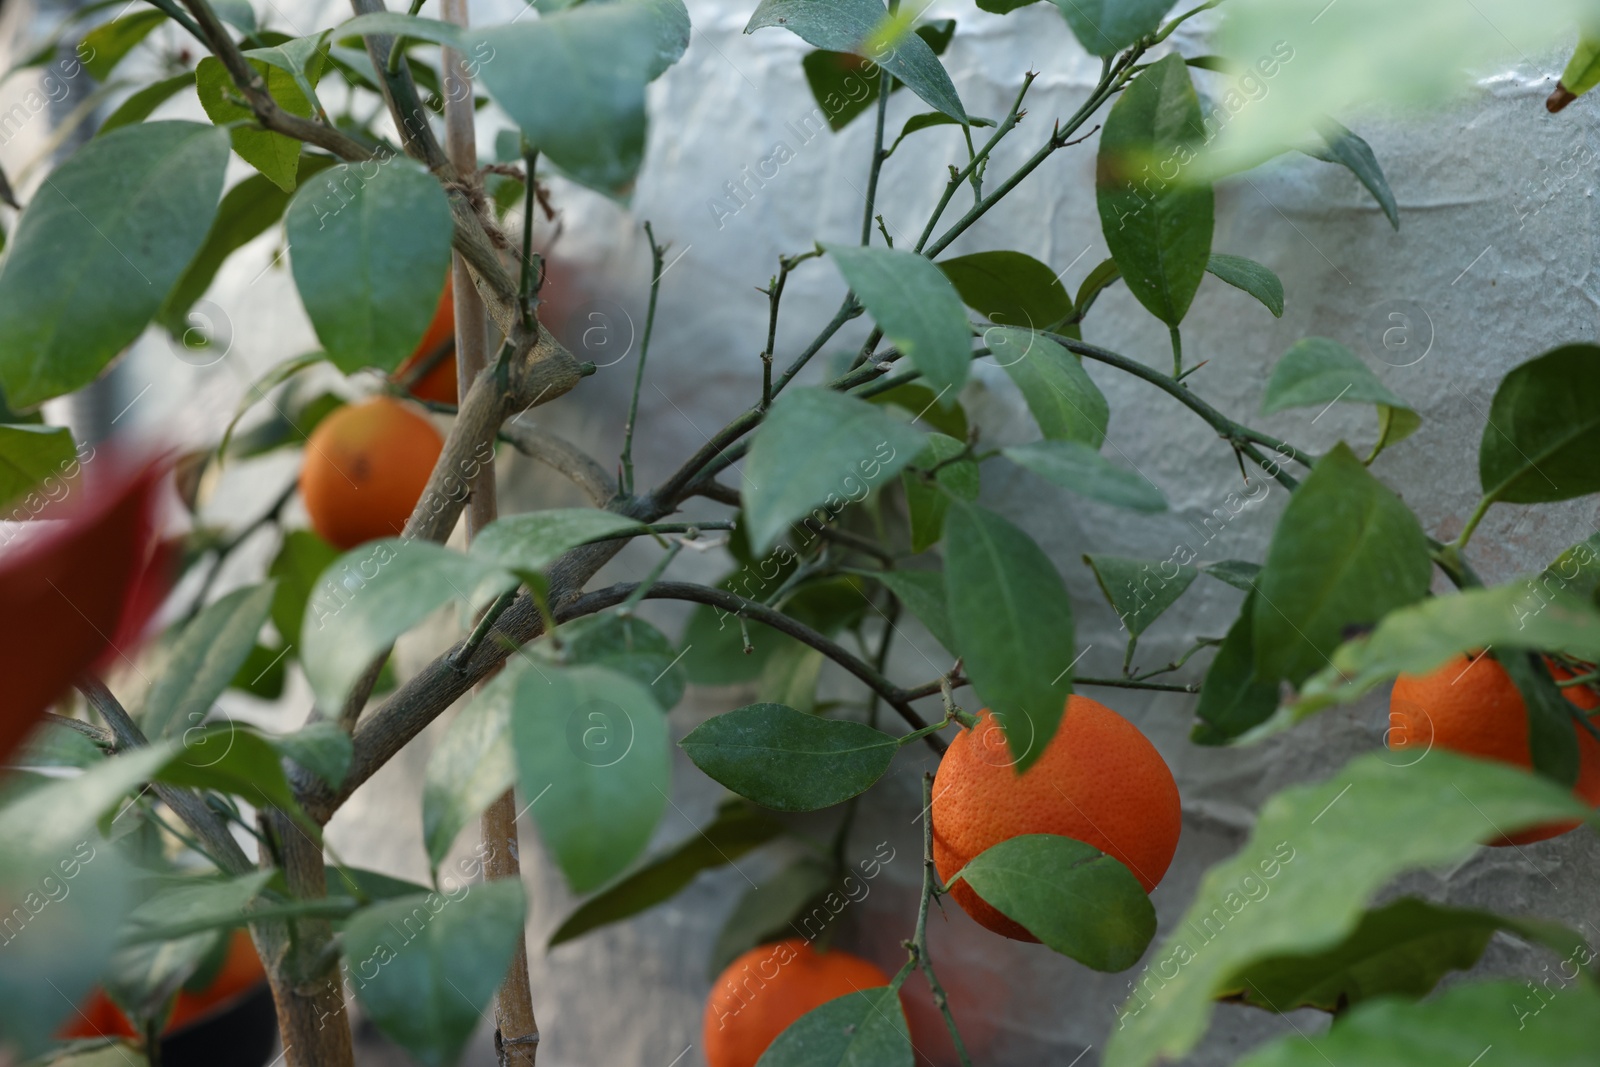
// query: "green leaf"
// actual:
[[1071, 896], [248, 210], [1348, 150], [1080, 468], [1252, 277], [913, 303], [1137, 590], [736, 830], [108, 44], [528, 543], [181, 906], [1012, 623], [1577, 570], [629, 646], [1106, 27], [714, 648], [1316, 371], [1238, 573], [1552, 733], [1419, 638], [1465, 1021], [818, 449], [301, 560], [1346, 552], [262, 672], [1544, 429], [1158, 228], [1302, 882], [787, 760], [321, 748], [473, 764], [1105, 274], [1002, 7], [790, 676], [592, 763], [925, 502], [142, 104], [1009, 288], [275, 155], [867, 1027], [768, 912], [923, 403], [426, 967], [1402, 949], [1395, 424], [574, 82], [30, 455], [231, 759], [846, 85], [371, 595], [855, 26], [205, 658], [925, 121], [98, 247], [396, 24], [923, 593], [1234, 697], [370, 242], [1065, 402]]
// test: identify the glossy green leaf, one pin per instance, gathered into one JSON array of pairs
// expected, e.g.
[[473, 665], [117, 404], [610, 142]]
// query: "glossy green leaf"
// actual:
[[819, 450], [1138, 590], [922, 402], [787, 760], [1316, 372], [926, 501], [29, 455], [1064, 400], [1234, 697], [1317, 855], [275, 155], [371, 595], [1010, 288], [772, 911], [1346, 552], [1071, 896], [1106, 27], [321, 748], [425, 968], [1402, 949], [301, 560], [593, 764], [108, 44], [97, 248], [530, 542], [1348, 150], [630, 646], [854, 26], [861, 1028], [1012, 623], [1543, 430], [915, 306], [736, 830], [369, 243], [1158, 228], [248, 210], [205, 658], [473, 764], [574, 82], [1250, 276], [1465, 1021], [142, 104], [1241, 574], [1080, 468]]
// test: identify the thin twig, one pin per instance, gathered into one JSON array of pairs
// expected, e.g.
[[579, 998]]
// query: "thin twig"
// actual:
[[657, 261], [918, 945]]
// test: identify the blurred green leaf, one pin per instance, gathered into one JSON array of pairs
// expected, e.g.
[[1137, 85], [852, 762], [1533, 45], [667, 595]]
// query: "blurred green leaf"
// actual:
[[630, 646], [1080, 468], [914, 304], [1064, 400], [926, 502], [1010, 288], [767, 912], [922, 592], [30, 454], [867, 1026], [921, 401], [528, 543], [321, 748], [473, 764], [262, 672], [1234, 698], [1106, 27], [301, 560], [1238, 573], [1543, 429], [1316, 371], [108, 44], [143, 103], [205, 658]]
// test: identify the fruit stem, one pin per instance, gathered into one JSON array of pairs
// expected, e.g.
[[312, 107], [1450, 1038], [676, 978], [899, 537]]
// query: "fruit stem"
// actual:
[[918, 945]]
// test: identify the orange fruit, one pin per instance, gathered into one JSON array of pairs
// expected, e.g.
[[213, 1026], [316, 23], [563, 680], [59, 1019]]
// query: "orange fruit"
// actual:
[[439, 383], [241, 972], [762, 992], [1099, 780], [365, 468], [1471, 706]]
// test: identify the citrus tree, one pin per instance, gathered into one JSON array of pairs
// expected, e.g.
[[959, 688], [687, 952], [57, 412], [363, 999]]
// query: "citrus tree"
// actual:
[[857, 506]]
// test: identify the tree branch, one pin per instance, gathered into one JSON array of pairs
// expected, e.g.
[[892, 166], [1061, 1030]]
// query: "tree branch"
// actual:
[[564, 458]]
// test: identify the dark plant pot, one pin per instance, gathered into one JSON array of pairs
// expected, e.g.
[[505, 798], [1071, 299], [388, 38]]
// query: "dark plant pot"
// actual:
[[241, 1033]]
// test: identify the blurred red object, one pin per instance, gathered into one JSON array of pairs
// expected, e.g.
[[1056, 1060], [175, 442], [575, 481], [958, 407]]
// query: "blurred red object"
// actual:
[[241, 972], [78, 586]]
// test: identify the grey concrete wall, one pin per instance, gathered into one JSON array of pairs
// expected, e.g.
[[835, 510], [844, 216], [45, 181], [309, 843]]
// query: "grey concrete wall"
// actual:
[[1494, 263]]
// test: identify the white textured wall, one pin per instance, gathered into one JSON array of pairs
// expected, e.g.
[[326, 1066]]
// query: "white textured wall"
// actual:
[[1494, 263]]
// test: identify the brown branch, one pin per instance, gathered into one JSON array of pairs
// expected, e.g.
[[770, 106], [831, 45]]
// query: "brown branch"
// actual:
[[564, 458]]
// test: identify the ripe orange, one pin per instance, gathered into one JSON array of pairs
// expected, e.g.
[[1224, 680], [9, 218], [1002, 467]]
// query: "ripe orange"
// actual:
[[365, 468], [1471, 706], [1099, 780], [771, 986], [439, 383]]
